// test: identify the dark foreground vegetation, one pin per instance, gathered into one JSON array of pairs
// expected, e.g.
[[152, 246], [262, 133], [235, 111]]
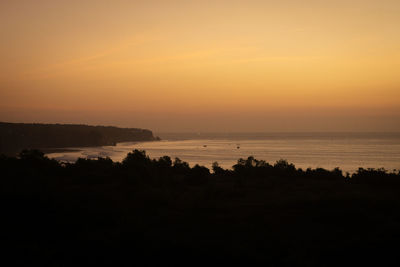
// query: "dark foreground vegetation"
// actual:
[[144, 212], [17, 136]]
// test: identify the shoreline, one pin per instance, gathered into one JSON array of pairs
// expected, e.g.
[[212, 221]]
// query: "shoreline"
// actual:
[[47, 151], [225, 152], [51, 150]]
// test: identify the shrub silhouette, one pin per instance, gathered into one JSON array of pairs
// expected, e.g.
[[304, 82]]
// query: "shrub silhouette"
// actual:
[[96, 212]]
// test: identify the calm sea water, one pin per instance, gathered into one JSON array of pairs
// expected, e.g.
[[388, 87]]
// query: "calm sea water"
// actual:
[[349, 151]]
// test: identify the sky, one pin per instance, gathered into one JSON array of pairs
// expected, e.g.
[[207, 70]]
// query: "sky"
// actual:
[[202, 66]]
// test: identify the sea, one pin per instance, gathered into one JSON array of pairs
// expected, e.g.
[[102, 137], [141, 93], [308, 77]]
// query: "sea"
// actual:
[[348, 151]]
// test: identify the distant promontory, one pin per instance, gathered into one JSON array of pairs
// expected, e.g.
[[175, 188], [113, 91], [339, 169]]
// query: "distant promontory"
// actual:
[[15, 137]]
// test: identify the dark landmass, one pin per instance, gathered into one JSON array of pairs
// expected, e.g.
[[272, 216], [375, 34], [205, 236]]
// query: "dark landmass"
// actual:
[[17, 136], [144, 212], [59, 150]]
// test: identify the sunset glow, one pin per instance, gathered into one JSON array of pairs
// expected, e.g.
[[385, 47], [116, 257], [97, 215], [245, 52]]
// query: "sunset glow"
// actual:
[[203, 65]]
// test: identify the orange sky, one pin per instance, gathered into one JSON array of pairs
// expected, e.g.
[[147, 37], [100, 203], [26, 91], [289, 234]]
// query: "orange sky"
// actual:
[[203, 65]]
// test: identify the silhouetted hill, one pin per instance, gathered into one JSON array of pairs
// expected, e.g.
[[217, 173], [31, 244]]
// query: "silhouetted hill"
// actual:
[[17, 136], [162, 212]]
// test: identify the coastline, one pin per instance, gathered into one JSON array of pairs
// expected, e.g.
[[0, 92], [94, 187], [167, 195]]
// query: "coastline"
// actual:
[[348, 155], [15, 137], [47, 151]]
